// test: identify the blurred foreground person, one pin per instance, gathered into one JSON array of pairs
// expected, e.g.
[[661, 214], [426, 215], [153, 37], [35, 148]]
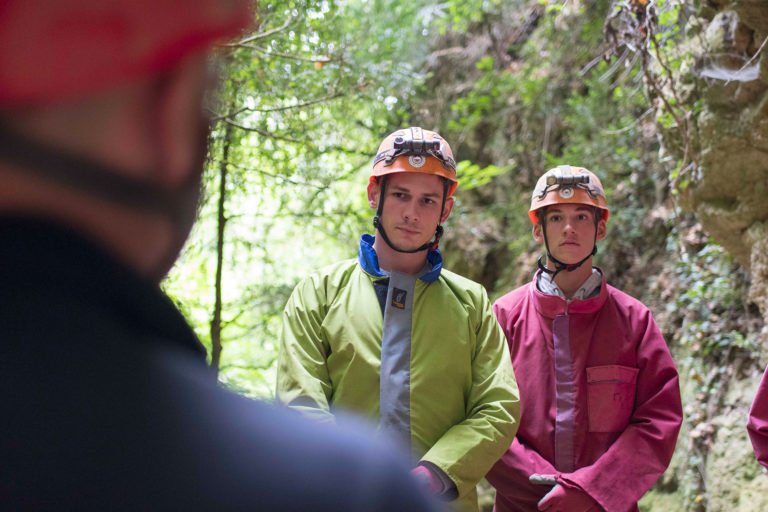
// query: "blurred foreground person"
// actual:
[[757, 425], [599, 390], [106, 397], [394, 336]]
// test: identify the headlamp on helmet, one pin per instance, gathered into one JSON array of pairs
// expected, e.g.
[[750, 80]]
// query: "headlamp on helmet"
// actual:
[[419, 149], [415, 150], [568, 185]]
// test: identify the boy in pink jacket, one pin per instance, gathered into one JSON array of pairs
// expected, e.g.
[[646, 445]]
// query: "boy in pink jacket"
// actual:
[[599, 391]]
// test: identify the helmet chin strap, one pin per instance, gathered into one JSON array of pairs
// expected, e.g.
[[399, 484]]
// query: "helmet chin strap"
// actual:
[[559, 265], [102, 181], [380, 227], [99, 181]]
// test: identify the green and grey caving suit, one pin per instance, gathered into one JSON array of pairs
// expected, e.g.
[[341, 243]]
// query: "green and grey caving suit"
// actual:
[[447, 390]]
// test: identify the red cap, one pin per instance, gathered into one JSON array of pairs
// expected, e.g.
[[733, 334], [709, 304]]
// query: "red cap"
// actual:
[[65, 49]]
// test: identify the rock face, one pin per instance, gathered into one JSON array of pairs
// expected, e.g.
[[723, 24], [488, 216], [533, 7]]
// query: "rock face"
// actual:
[[723, 85], [734, 479], [719, 86]]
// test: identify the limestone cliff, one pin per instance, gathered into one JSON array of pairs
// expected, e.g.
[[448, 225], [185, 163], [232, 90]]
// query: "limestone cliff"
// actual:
[[722, 86]]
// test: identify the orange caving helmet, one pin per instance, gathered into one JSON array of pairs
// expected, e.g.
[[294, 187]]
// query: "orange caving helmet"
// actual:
[[567, 184], [415, 150]]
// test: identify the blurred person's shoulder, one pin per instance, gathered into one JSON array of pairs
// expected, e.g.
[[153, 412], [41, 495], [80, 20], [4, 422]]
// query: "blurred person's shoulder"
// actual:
[[300, 464], [110, 404]]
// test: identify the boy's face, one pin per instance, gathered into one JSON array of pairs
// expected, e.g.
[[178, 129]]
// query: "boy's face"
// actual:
[[570, 231], [411, 209]]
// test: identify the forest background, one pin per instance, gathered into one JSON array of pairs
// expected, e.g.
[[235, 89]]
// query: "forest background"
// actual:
[[665, 100]]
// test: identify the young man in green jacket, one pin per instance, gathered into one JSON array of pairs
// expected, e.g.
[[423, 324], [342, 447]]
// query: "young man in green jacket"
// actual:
[[394, 336]]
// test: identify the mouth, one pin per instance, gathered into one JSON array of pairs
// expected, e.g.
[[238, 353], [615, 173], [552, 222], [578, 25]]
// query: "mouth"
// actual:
[[407, 231]]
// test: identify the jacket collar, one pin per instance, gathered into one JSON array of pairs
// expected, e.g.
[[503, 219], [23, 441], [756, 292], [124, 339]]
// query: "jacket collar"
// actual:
[[550, 306], [369, 261]]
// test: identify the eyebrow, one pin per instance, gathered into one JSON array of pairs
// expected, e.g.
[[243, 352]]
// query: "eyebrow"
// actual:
[[399, 188], [581, 208]]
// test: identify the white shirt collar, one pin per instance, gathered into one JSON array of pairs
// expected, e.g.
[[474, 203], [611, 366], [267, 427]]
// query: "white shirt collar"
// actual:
[[588, 289]]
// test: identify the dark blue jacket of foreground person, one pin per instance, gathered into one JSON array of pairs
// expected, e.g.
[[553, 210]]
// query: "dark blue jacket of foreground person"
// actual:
[[107, 404]]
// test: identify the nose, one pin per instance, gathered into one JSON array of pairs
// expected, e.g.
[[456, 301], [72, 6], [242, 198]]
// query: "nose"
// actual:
[[410, 212]]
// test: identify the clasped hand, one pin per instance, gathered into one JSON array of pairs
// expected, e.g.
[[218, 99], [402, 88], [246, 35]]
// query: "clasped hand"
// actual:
[[563, 497]]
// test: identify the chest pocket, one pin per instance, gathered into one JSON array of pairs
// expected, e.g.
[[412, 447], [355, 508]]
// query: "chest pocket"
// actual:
[[610, 397]]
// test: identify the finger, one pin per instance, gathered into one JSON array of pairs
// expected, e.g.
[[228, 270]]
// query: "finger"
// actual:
[[538, 479], [546, 502], [545, 507]]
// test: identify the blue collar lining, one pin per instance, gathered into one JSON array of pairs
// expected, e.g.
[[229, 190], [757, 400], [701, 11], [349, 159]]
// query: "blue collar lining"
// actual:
[[369, 261]]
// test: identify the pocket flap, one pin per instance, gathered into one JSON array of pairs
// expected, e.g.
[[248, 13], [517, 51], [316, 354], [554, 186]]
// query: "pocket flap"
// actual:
[[612, 373]]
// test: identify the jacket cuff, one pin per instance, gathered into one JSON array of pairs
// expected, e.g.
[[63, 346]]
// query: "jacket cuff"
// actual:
[[449, 492]]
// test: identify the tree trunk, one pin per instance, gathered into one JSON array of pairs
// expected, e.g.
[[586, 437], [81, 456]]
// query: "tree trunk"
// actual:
[[220, 225]]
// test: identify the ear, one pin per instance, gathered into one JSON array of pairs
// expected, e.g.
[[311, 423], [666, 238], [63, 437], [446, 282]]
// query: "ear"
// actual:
[[602, 229], [373, 194], [538, 233], [447, 209], [179, 119]]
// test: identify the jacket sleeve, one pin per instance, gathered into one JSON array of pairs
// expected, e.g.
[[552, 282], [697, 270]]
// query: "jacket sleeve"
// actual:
[[509, 475], [757, 425], [642, 452], [303, 382], [468, 449]]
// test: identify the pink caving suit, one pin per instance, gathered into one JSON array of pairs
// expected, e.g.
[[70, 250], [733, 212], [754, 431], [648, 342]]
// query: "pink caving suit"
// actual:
[[599, 394]]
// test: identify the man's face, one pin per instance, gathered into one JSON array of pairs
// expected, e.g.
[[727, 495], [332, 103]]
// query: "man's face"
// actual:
[[570, 231], [411, 209]]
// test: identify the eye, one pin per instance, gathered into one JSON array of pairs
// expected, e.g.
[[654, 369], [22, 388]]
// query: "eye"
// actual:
[[429, 201], [555, 218]]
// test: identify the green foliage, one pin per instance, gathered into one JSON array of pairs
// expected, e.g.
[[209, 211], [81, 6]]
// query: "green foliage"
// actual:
[[473, 176], [709, 311], [711, 304], [460, 16]]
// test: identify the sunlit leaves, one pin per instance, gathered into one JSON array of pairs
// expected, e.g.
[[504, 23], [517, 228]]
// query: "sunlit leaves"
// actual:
[[473, 176]]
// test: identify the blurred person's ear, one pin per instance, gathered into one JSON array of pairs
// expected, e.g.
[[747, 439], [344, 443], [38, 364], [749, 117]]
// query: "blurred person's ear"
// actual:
[[179, 120]]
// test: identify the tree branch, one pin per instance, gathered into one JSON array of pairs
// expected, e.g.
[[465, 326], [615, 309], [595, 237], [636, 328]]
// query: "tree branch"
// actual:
[[262, 132], [273, 175], [328, 97], [319, 58], [751, 58], [260, 35]]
